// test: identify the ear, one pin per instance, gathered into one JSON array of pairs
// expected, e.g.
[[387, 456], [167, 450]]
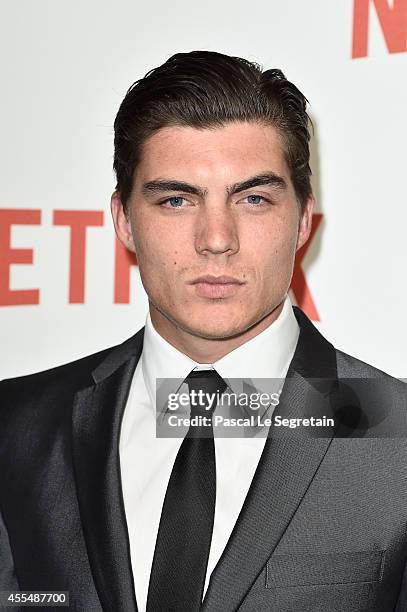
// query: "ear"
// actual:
[[305, 223], [121, 221]]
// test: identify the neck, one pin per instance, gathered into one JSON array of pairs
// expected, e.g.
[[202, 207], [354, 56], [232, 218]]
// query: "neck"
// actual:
[[204, 350]]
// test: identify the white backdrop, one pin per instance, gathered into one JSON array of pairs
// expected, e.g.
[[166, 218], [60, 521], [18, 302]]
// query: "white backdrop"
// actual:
[[65, 66]]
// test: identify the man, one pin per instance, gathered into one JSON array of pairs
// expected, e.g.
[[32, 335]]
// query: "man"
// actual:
[[213, 195]]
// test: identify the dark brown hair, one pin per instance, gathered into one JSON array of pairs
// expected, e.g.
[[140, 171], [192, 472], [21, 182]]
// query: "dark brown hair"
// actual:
[[205, 89]]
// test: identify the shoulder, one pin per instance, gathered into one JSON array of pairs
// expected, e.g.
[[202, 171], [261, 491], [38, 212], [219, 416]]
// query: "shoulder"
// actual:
[[380, 398], [74, 371], [352, 367], [56, 386]]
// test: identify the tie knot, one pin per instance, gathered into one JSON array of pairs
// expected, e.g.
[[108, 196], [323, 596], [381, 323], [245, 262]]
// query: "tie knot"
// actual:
[[205, 389]]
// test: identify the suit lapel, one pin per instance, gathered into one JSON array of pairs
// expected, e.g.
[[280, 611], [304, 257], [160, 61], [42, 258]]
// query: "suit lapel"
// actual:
[[97, 415], [286, 468]]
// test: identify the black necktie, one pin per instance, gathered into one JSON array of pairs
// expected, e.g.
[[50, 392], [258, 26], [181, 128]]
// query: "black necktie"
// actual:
[[184, 535]]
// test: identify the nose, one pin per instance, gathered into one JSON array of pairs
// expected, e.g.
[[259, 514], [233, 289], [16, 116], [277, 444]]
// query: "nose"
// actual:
[[216, 232]]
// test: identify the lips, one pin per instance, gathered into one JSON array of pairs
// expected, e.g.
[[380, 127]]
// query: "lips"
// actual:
[[217, 280], [217, 287]]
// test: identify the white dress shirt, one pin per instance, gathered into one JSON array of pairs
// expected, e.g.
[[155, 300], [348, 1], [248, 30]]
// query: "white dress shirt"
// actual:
[[146, 461]]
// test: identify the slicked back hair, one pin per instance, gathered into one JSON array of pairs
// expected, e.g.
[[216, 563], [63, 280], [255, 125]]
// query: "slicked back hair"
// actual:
[[206, 89]]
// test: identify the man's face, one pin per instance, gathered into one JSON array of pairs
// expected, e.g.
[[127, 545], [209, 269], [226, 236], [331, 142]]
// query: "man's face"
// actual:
[[214, 202]]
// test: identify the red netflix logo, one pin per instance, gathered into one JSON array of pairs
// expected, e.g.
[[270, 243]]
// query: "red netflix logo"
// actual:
[[78, 221], [392, 20]]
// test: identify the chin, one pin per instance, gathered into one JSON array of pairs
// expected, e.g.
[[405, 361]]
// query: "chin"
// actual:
[[213, 333], [213, 328]]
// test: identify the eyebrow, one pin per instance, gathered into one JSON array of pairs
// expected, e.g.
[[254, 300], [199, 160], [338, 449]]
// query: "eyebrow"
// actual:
[[169, 185], [267, 178]]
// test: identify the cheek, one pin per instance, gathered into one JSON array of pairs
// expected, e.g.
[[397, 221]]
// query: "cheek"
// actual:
[[273, 253], [159, 254]]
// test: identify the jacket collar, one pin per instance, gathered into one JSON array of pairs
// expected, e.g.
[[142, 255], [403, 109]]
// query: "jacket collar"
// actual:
[[132, 347], [314, 356]]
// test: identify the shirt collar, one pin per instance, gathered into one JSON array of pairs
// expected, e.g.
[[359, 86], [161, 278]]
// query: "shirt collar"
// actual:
[[267, 355]]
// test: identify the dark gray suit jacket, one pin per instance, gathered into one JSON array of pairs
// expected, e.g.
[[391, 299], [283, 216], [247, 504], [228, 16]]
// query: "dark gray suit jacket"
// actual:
[[323, 527]]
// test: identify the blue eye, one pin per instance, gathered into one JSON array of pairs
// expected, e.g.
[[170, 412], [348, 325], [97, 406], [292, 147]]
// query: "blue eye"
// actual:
[[175, 201], [255, 199]]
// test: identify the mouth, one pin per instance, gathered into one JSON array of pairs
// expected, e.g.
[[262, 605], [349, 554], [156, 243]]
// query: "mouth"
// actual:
[[216, 286]]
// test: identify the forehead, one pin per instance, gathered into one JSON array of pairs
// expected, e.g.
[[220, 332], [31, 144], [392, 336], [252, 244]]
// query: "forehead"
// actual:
[[222, 153]]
